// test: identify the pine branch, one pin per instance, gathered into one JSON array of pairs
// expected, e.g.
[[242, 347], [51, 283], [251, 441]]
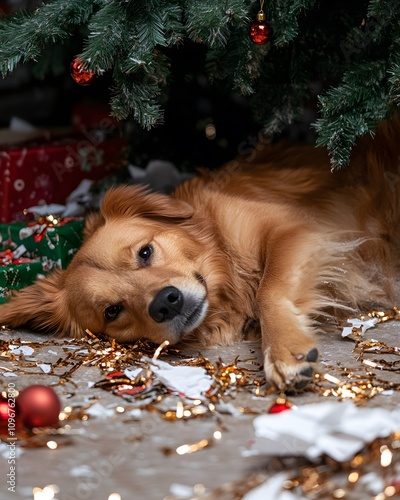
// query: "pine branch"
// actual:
[[107, 35], [352, 110], [240, 68], [132, 95], [351, 49], [23, 36], [210, 22], [285, 14]]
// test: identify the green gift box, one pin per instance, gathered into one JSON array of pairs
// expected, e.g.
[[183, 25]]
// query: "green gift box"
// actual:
[[36, 248], [17, 276], [53, 244]]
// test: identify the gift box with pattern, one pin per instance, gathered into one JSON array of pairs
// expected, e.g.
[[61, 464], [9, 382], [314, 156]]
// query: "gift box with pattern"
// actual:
[[45, 172], [53, 243], [30, 250], [17, 276]]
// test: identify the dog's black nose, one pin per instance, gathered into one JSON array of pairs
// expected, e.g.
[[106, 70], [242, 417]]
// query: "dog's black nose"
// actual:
[[166, 304]]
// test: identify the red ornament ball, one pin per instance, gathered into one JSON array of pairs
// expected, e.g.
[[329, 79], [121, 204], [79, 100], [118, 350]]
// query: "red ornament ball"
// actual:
[[3, 413], [281, 404], [279, 407], [260, 32], [9, 423], [38, 406], [3, 408], [80, 74]]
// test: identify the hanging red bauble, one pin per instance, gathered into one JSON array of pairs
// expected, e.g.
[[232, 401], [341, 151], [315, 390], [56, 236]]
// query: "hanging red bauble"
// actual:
[[280, 405], [38, 406], [80, 74], [260, 30]]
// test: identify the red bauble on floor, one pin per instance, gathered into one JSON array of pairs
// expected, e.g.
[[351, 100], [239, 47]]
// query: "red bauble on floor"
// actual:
[[281, 404], [38, 406], [3, 414]]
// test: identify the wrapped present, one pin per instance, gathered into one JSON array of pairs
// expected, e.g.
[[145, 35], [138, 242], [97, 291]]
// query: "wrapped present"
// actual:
[[53, 241], [17, 272], [47, 171]]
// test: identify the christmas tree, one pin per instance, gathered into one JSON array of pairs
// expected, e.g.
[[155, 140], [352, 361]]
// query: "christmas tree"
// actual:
[[345, 56]]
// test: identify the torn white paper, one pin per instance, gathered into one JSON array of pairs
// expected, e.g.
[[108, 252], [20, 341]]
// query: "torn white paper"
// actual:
[[23, 349], [181, 490], [132, 372], [337, 429], [364, 324], [190, 381], [45, 367], [272, 489], [100, 411]]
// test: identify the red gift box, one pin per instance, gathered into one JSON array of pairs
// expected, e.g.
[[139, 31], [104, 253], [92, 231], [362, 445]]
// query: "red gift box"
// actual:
[[48, 171]]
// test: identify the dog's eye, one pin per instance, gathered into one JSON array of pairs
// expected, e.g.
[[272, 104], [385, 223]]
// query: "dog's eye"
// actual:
[[145, 253], [112, 312]]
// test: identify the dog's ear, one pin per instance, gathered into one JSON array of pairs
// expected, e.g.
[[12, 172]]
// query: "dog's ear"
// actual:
[[92, 222], [41, 307], [139, 200]]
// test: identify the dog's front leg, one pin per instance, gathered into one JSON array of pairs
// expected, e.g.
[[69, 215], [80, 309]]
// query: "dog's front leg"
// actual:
[[288, 346], [287, 297]]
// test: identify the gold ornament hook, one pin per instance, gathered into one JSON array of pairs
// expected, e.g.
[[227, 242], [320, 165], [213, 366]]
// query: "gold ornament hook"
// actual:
[[261, 13]]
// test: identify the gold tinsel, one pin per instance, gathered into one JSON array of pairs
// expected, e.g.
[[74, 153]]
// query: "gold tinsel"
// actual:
[[326, 479]]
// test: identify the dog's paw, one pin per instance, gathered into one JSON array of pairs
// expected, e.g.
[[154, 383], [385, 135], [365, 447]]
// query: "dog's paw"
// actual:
[[290, 369]]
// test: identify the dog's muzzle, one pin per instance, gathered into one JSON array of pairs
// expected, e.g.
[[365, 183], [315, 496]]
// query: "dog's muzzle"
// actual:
[[166, 304], [181, 311]]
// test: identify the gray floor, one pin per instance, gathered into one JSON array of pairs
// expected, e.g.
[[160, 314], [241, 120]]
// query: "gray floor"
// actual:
[[133, 453]]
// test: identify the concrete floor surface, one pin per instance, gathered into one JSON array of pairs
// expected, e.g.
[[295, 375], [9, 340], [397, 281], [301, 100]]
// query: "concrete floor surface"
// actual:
[[129, 451]]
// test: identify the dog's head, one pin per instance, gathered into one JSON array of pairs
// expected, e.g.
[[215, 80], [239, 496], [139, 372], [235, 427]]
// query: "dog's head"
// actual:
[[138, 274]]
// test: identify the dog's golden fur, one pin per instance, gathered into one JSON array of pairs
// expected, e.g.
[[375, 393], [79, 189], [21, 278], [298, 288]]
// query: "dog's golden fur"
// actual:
[[278, 242]]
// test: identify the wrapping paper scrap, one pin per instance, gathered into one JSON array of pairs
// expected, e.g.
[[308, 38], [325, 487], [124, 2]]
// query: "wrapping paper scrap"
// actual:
[[339, 430], [74, 206], [132, 372], [5, 451], [45, 367], [159, 175], [189, 381], [181, 490], [100, 411], [21, 349], [272, 489], [362, 325], [43, 210]]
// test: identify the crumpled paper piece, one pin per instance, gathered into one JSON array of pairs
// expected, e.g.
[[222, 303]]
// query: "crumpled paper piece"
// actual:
[[337, 429], [272, 489], [45, 367], [74, 205], [159, 175], [189, 381], [100, 411], [363, 324], [21, 349]]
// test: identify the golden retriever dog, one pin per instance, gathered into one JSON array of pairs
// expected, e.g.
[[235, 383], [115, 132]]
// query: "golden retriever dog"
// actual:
[[274, 243]]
